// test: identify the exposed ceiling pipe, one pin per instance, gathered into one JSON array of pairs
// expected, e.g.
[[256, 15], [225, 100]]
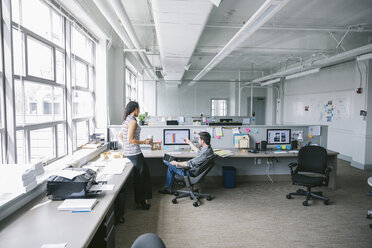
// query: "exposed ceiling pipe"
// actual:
[[339, 58], [119, 9], [260, 17], [111, 18]]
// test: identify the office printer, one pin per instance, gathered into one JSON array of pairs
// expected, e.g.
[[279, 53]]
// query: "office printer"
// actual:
[[60, 188]]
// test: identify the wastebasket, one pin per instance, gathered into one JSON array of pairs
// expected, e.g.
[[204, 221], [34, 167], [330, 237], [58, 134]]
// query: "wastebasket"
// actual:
[[228, 174]]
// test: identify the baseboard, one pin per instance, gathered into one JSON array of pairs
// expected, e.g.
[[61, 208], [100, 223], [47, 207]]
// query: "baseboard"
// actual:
[[365, 167], [344, 157]]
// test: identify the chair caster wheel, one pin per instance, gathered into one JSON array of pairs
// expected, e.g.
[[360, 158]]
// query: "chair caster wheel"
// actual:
[[195, 204], [176, 193], [370, 225], [369, 216], [174, 201], [305, 203], [288, 196], [191, 198], [326, 202], [209, 198]]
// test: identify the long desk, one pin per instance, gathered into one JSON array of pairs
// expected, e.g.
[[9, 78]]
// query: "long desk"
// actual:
[[237, 153], [41, 223]]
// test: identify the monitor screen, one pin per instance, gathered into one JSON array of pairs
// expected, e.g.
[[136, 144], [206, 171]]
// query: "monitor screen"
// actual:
[[278, 136], [175, 136]]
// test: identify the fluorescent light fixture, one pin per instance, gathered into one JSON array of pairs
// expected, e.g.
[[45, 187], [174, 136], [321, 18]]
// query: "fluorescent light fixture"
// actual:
[[277, 80], [364, 57], [267, 10], [304, 73], [192, 83]]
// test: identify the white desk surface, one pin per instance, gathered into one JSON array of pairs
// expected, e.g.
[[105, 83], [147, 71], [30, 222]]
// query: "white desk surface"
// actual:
[[238, 153], [41, 223]]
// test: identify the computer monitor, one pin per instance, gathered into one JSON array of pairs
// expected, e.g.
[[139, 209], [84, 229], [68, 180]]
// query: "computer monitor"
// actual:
[[278, 136], [175, 136]]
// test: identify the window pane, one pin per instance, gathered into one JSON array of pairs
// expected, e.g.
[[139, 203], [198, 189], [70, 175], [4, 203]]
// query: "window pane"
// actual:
[[20, 147], [19, 102], [81, 45], [58, 103], [81, 77], [83, 106], [38, 103], [42, 144], [91, 79], [18, 52], [15, 11], [61, 140], [1, 147], [57, 33], [81, 133], [40, 59], [60, 67], [36, 17]]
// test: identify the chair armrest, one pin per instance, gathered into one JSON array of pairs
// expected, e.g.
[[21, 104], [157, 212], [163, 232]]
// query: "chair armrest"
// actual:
[[292, 167], [184, 168], [326, 173]]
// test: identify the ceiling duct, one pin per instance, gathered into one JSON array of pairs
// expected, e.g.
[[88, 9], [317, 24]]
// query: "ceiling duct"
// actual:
[[259, 18]]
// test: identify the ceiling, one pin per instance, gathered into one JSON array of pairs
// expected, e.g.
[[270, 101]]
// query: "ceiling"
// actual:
[[300, 31]]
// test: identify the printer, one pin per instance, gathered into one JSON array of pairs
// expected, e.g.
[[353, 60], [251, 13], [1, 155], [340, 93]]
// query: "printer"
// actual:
[[60, 188]]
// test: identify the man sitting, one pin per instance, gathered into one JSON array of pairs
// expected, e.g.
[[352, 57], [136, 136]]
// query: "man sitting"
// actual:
[[202, 155]]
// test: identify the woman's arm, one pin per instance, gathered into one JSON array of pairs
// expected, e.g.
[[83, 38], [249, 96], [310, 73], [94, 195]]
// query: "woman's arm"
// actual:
[[132, 125]]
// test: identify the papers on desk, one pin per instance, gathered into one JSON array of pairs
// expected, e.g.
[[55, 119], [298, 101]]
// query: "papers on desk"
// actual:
[[61, 245], [69, 174], [78, 205], [102, 187], [115, 167], [293, 151], [223, 153], [91, 146]]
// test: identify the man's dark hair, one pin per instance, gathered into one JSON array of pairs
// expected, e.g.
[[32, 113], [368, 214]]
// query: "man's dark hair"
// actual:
[[206, 137]]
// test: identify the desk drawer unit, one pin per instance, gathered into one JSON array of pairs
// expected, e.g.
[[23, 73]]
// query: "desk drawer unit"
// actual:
[[105, 235]]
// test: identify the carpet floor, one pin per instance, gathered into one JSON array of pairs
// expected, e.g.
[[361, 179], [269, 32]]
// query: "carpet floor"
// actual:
[[257, 214]]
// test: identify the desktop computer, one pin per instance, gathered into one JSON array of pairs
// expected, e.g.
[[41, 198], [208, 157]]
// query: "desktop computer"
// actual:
[[175, 136], [279, 137]]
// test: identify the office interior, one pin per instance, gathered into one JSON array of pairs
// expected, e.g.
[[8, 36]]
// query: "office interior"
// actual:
[[68, 69]]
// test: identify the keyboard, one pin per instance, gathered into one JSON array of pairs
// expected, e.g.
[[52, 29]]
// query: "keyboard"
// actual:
[[277, 152]]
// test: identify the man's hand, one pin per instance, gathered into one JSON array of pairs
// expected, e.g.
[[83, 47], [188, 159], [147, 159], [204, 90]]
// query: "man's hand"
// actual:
[[148, 141], [173, 163], [187, 141]]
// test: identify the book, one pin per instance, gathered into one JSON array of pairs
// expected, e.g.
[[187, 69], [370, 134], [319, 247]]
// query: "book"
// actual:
[[78, 205]]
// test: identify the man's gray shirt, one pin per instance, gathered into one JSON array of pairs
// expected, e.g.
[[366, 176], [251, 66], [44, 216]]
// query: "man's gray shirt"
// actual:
[[202, 155]]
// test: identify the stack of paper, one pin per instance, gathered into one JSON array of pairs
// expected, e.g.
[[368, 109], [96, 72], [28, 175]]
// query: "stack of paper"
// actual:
[[91, 146], [39, 168], [223, 153], [78, 205], [16, 178]]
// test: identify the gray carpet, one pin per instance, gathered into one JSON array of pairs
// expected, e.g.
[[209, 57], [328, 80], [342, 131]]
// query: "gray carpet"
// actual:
[[257, 214]]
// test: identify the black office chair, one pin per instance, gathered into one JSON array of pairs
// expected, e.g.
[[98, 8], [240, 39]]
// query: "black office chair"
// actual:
[[193, 179], [310, 159]]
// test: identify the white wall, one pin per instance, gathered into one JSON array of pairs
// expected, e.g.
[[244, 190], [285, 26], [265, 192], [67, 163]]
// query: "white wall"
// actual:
[[347, 130]]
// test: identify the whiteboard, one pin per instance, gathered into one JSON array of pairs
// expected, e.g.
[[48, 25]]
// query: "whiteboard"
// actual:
[[330, 108]]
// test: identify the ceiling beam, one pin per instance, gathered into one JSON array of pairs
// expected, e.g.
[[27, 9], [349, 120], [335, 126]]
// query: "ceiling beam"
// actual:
[[282, 28]]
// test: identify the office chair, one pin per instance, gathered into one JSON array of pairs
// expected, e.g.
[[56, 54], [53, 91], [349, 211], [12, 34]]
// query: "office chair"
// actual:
[[369, 213], [191, 177], [310, 159], [148, 240]]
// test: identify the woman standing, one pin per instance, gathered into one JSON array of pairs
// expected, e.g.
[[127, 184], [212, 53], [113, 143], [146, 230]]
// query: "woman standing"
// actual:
[[131, 141]]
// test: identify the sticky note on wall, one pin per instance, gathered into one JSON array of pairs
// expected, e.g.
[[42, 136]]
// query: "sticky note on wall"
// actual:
[[247, 129]]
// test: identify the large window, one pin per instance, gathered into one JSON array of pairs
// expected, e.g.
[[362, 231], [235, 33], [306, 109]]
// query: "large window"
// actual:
[[41, 89], [83, 67], [219, 107], [131, 86], [1, 100]]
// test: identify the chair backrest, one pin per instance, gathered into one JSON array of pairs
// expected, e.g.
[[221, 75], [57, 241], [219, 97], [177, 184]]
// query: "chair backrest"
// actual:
[[148, 240], [203, 169], [312, 159]]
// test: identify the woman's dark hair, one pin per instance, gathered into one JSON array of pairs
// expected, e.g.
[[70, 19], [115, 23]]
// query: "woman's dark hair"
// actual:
[[206, 137], [131, 106]]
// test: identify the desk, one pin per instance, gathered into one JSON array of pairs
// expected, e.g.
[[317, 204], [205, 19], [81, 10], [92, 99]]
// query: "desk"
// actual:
[[331, 158], [40, 222]]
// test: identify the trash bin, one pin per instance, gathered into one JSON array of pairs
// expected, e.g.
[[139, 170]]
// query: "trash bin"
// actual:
[[228, 174]]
